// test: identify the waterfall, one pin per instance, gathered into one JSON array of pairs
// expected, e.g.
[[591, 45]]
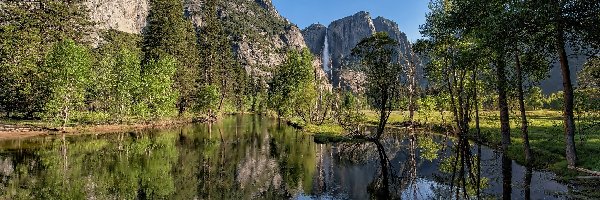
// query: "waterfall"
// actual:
[[325, 56]]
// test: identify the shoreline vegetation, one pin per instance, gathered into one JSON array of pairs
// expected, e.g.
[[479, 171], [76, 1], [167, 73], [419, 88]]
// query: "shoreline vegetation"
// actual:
[[545, 137], [545, 131], [15, 129]]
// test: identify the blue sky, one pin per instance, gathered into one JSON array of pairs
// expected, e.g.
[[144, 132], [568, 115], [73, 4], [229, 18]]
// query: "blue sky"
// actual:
[[409, 14]]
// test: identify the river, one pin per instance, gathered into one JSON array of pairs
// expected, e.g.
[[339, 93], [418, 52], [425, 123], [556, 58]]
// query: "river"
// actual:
[[253, 157]]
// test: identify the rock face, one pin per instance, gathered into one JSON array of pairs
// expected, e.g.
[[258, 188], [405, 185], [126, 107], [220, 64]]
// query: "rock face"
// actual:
[[260, 35], [344, 34], [314, 36], [123, 15], [391, 27], [553, 82]]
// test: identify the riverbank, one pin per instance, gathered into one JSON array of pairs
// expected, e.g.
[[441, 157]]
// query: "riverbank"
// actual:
[[546, 137], [17, 129], [545, 129]]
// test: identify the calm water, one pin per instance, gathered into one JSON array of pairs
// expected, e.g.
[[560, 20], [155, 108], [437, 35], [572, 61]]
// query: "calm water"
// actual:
[[249, 157]]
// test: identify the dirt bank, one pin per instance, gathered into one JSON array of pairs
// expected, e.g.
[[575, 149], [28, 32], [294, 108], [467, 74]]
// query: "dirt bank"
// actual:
[[9, 131]]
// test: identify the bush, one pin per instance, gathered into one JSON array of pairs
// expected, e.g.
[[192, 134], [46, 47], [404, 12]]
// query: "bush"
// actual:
[[208, 98]]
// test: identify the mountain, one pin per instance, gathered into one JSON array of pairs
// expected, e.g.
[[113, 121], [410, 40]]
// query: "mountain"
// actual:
[[260, 35], [124, 15], [314, 36], [343, 35]]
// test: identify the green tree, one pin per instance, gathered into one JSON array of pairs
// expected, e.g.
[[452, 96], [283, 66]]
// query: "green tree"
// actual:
[[589, 77], [568, 23], [170, 34], [535, 98], [377, 61], [126, 81], [257, 93], [67, 71], [291, 82], [29, 30], [208, 99], [475, 24], [116, 74], [348, 112], [157, 94], [219, 66]]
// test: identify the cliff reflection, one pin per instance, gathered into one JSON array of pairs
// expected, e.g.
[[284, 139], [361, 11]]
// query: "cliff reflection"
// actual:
[[250, 157]]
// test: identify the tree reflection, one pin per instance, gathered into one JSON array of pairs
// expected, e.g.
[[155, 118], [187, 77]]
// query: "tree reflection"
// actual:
[[249, 158], [394, 180], [528, 176], [506, 177], [464, 171]]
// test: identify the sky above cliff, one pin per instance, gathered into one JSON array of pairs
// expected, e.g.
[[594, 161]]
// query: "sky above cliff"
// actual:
[[409, 14]]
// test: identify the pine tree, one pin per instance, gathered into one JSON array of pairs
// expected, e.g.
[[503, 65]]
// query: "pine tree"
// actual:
[[170, 34], [219, 67]]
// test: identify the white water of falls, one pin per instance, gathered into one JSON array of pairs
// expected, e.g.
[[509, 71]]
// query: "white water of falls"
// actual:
[[325, 56]]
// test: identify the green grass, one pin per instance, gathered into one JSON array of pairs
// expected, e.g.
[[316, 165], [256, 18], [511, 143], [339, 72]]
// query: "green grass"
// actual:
[[546, 136]]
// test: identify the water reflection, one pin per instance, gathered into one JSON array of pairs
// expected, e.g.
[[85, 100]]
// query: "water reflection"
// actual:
[[249, 157]]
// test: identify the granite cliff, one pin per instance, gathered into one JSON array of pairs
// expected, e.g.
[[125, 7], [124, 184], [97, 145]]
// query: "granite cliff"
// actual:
[[260, 35], [314, 36], [343, 35]]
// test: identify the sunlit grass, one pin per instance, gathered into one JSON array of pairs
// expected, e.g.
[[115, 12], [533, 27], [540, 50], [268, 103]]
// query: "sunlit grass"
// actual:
[[546, 136]]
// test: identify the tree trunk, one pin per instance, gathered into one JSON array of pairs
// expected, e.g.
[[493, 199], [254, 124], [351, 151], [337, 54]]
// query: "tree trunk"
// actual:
[[223, 85], [412, 90], [476, 102], [524, 122], [503, 105], [569, 123], [382, 115], [181, 107]]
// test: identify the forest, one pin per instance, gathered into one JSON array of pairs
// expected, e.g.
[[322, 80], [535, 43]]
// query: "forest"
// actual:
[[482, 61]]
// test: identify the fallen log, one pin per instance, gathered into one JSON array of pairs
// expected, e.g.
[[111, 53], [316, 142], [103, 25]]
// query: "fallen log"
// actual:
[[587, 171]]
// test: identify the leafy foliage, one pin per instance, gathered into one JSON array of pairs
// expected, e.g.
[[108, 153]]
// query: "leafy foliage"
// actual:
[[378, 59], [348, 113], [208, 98], [157, 93], [117, 74], [293, 84], [67, 71], [28, 32], [589, 77]]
